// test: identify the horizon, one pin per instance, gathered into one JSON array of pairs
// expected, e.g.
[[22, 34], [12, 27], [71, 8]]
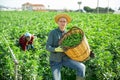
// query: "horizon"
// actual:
[[72, 5]]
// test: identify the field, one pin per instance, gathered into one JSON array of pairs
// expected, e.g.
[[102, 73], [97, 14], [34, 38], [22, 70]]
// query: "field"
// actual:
[[101, 30]]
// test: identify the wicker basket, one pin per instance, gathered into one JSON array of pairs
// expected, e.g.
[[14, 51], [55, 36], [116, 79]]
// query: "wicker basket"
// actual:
[[78, 52]]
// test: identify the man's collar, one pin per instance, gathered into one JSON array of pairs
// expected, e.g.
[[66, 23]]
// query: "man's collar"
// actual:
[[60, 30]]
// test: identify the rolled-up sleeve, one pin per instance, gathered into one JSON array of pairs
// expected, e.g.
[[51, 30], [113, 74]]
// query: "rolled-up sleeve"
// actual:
[[49, 44]]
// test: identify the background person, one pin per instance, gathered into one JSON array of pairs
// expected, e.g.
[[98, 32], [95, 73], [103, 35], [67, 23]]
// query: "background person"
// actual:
[[26, 41]]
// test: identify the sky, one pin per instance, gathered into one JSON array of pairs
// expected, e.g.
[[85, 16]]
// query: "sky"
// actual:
[[63, 4]]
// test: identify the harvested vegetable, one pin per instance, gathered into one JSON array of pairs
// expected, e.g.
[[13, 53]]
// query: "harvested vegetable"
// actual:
[[72, 40]]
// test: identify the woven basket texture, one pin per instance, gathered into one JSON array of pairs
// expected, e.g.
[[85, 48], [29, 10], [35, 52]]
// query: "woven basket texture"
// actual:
[[78, 52]]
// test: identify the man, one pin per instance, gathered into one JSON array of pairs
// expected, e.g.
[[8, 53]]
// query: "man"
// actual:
[[26, 41], [57, 57]]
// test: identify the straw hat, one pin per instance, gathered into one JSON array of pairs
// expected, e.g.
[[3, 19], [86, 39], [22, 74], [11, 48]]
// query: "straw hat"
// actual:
[[57, 17]]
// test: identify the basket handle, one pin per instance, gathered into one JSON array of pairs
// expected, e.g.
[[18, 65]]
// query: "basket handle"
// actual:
[[74, 28]]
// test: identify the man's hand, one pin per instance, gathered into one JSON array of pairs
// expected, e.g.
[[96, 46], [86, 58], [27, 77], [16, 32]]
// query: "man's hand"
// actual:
[[27, 43], [59, 49]]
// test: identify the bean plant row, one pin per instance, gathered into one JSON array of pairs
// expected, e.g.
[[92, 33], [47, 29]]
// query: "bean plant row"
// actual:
[[102, 32]]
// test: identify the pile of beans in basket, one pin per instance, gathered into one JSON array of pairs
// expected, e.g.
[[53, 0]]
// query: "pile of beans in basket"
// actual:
[[72, 40]]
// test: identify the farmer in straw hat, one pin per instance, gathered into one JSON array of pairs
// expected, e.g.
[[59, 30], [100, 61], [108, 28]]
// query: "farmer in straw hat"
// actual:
[[26, 41], [57, 57]]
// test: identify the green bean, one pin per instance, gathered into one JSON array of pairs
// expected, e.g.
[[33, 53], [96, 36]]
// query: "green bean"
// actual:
[[72, 40]]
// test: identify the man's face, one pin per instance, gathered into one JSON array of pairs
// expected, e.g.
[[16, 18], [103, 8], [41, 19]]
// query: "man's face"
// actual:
[[62, 22]]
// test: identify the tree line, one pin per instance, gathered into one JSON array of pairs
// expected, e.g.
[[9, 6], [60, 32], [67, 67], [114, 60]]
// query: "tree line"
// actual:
[[100, 9]]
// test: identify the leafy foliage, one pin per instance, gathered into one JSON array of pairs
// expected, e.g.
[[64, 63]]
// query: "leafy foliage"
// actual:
[[72, 40], [102, 31]]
